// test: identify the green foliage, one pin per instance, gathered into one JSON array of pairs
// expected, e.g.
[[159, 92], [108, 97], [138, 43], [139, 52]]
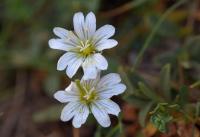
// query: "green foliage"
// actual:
[[146, 91], [115, 131], [109, 132], [160, 120], [144, 97], [183, 96], [143, 114], [165, 81], [161, 116], [98, 132], [168, 28]]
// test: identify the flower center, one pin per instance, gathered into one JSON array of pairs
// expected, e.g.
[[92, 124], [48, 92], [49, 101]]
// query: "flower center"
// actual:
[[87, 48], [87, 94]]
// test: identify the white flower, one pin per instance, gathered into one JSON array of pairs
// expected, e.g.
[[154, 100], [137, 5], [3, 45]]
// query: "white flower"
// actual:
[[83, 46], [85, 96]]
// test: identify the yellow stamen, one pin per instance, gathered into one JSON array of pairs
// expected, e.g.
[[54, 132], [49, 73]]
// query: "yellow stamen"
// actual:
[[87, 48], [87, 94]]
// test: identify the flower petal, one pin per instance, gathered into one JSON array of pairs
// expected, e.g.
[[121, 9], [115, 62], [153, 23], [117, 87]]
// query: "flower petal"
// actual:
[[73, 39], [91, 82], [58, 44], [89, 73], [101, 115], [67, 95], [79, 23], [81, 116], [64, 60], [69, 111], [73, 66], [109, 106], [106, 44], [72, 89], [89, 68], [90, 23], [109, 80], [104, 32], [101, 62], [108, 92], [64, 96], [60, 32]]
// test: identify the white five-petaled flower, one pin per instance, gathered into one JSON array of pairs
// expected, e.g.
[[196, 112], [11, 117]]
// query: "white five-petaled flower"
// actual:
[[83, 46], [85, 96]]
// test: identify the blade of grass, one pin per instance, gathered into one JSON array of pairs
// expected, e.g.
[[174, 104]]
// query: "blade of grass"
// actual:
[[113, 131], [144, 113], [149, 93], [165, 81], [153, 32]]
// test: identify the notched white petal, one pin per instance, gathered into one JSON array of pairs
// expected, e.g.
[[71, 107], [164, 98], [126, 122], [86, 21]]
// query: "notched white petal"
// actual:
[[81, 116], [64, 60], [104, 32], [69, 111], [109, 106], [64, 96], [79, 23], [108, 92], [89, 73], [101, 62], [89, 68], [100, 115], [90, 24], [60, 32], [71, 88], [60, 96], [109, 80], [106, 44], [73, 66], [57, 44]]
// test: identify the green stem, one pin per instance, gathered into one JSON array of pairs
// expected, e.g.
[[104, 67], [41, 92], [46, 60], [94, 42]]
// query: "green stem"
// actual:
[[153, 32], [196, 117], [113, 131], [127, 81]]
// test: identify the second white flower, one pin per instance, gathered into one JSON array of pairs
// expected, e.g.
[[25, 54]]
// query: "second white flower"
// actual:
[[85, 96]]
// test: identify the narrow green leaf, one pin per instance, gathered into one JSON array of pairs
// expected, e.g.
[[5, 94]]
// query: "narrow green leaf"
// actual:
[[136, 101], [165, 81], [143, 113], [154, 31], [131, 80], [197, 110], [114, 131], [98, 132], [183, 96], [130, 88], [149, 93], [121, 130]]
